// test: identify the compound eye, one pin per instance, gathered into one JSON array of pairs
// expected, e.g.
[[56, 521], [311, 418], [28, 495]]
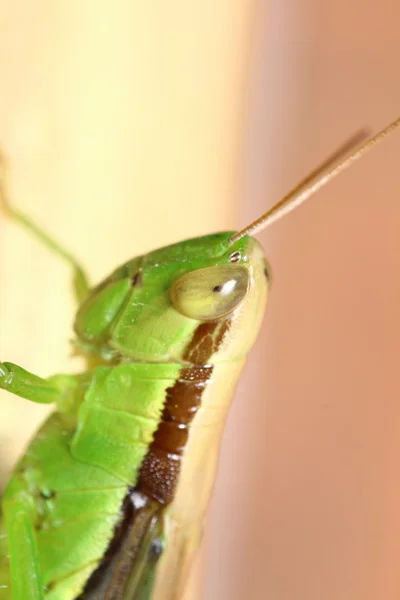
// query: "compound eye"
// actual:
[[211, 293]]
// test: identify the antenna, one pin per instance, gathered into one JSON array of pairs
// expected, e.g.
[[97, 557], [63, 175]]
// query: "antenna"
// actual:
[[334, 165]]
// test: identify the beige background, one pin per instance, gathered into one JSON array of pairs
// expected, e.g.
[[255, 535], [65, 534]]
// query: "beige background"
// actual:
[[130, 126]]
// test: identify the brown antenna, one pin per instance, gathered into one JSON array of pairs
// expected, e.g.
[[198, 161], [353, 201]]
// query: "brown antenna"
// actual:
[[316, 180]]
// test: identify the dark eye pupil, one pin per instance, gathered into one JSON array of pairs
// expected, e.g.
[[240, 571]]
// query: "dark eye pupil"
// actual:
[[217, 288], [235, 257]]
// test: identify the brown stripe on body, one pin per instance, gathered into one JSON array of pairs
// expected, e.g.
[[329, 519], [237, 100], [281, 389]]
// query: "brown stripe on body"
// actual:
[[160, 469], [158, 477]]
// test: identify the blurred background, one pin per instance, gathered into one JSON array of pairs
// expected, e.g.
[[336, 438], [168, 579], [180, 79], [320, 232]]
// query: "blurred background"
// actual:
[[133, 125]]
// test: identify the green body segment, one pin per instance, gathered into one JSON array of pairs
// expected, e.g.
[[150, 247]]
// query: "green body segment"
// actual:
[[76, 472], [64, 501]]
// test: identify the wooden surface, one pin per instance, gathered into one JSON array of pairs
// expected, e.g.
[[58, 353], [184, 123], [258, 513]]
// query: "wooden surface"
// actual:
[[124, 130]]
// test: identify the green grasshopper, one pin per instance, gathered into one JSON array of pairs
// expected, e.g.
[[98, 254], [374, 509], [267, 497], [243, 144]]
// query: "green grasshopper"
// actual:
[[108, 500]]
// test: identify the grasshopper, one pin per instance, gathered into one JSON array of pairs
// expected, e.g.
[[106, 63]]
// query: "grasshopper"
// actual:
[[109, 498]]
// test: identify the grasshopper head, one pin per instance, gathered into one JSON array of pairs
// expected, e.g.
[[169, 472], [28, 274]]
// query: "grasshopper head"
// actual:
[[201, 300], [150, 309]]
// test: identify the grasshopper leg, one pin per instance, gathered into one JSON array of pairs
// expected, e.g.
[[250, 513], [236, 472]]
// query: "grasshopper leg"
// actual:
[[16, 380], [80, 279]]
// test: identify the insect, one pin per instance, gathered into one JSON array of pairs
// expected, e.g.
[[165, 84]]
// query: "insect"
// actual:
[[108, 500]]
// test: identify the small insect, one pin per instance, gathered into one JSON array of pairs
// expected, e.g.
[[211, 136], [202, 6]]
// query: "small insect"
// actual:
[[108, 500]]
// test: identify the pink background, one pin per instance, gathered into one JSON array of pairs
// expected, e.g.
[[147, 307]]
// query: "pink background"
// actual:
[[307, 502]]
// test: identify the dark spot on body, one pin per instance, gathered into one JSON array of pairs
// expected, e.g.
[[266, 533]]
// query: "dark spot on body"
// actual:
[[137, 278], [156, 548], [267, 271], [217, 288]]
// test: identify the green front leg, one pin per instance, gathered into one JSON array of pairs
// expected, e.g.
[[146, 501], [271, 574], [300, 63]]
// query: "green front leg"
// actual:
[[66, 391], [80, 278], [16, 380]]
